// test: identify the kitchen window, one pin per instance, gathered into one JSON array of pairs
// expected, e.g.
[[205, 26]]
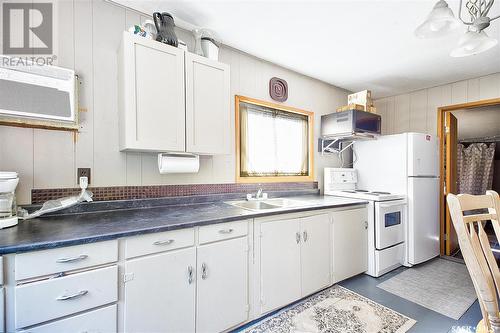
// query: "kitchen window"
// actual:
[[274, 142]]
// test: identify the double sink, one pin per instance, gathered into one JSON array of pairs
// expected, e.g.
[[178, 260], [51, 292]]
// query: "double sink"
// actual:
[[267, 204]]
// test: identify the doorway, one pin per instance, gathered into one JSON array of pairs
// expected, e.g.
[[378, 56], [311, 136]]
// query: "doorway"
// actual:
[[466, 133]]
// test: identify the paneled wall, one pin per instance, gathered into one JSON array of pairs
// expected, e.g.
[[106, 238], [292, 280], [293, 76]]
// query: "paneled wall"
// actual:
[[417, 111], [88, 34]]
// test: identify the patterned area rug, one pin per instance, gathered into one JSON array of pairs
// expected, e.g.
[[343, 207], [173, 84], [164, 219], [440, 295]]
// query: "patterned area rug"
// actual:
[[334, 310]]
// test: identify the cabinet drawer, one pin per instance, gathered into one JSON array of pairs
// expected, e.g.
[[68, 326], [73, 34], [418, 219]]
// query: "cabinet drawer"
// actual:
[[39, 263], [158, 242], [97, 321], [221, 231], [41, 301]]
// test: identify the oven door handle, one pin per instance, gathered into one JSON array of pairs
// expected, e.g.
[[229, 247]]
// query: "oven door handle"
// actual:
[[390, 205]]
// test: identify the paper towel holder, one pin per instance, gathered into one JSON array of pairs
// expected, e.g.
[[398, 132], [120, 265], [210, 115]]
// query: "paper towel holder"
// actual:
[[172, 162], [170, 154]]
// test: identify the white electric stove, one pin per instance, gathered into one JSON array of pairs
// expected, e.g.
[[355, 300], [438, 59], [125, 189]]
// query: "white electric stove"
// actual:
[[387, 215], [367, 195]]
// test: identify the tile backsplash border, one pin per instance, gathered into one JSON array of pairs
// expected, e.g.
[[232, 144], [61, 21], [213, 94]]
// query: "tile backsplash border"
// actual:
[[39, 196]]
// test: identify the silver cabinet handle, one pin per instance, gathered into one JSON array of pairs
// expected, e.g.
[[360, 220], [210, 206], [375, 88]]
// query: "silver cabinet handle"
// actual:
[[73, 296], [72, 259], [204, 271], [366, 224], [164, 242], [305, 236], [297, 237], [226, 231], [190, 274]]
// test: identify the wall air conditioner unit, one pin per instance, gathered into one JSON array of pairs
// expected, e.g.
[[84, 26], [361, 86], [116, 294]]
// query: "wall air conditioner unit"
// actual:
[[33, 95]]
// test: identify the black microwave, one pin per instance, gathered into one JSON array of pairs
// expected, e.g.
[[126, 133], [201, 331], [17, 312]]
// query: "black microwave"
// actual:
[[350, 122]]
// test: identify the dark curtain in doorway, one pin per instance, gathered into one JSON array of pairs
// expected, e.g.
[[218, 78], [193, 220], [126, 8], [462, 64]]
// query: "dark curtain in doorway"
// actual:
[[475, 164]]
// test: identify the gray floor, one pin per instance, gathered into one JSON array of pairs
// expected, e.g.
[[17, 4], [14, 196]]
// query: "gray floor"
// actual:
[[428, 321]]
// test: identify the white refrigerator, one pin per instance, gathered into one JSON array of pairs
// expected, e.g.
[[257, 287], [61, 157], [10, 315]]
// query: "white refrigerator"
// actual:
[[407, 164]]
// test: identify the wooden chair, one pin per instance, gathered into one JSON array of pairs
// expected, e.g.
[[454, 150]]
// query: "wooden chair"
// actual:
[[476, 250]]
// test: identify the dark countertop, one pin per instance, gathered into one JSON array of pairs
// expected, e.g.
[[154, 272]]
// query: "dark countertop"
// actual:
[[72, 229]]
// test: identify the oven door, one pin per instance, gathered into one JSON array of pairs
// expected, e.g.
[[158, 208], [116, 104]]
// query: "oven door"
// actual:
[[390, 220]]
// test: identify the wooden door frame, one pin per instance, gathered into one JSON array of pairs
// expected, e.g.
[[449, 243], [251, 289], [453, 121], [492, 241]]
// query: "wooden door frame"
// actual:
[[442, 155]]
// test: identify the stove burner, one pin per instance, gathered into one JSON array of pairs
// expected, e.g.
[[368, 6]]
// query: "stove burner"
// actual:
[[372, 193]]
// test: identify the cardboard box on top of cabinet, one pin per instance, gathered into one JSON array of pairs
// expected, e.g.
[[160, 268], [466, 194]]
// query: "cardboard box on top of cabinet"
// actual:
[[351, 106], [363, 98], [361, 101], [357, 107]]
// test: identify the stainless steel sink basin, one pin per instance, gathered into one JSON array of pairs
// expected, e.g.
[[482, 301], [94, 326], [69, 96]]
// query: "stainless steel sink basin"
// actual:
[[285, 202], [253, 205], [277, 203]]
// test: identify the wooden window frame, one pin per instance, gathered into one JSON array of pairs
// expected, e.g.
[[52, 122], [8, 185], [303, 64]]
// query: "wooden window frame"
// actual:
[[273, 179]]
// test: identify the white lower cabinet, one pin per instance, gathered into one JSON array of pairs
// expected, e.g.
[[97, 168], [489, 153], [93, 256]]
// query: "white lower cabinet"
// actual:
[[315, 253], [189, 280], [294, 259], [279, 263], [201, 288], [97, 321], [160, 292], [222, 286], [2, 310], [350, 243]]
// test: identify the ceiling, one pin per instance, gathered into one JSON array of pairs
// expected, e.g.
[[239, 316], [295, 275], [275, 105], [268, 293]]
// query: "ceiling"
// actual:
[[351, 44], [478, 123]]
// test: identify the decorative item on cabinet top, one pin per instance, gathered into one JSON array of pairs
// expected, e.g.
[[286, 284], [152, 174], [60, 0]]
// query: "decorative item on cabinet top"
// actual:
[[165, 25], [146, 30]]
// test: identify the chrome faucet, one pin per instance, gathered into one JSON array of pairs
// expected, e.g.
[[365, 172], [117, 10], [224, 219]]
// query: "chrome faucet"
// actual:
[[260, 195]]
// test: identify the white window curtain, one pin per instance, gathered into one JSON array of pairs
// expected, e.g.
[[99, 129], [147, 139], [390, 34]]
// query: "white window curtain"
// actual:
[[273, 142]]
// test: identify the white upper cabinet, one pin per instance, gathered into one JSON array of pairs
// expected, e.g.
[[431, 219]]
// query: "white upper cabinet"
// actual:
[[171, 100], [207, 106], [315, 253], [152, 108], [350, 243]]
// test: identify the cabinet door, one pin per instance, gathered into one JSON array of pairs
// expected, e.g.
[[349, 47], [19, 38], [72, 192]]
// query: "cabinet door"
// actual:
[[151, 80], [315, 253], [160, 98], [222, 285], [350, 243], [159, 295], [2, 310], [207, 106], [279, 263]]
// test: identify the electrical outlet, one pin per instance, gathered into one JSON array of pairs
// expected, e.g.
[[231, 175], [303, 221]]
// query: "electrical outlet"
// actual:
[[83, 172]]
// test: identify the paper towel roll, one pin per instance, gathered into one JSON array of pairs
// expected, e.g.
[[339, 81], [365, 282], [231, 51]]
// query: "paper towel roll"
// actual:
[[178, 163]]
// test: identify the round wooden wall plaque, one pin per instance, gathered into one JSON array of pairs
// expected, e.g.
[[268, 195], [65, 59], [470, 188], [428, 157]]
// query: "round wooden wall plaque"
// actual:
[[278, 89]]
